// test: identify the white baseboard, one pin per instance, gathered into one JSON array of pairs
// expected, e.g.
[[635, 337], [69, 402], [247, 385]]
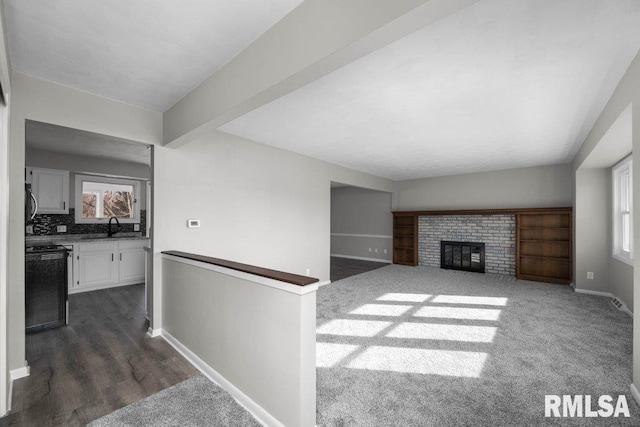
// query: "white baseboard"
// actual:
[[362, 258], [154, 332], [16, 374], [326, 282], [626, 309], [635, 393], [588, 292], [262, 416]]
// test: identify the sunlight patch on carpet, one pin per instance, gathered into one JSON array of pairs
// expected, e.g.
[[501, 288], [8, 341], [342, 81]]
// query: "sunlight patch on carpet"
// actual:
[[381, 310], [421, 361], [404, 297], [463, 299], [459, 313], [429, 331], [355, 328], [329, 354]]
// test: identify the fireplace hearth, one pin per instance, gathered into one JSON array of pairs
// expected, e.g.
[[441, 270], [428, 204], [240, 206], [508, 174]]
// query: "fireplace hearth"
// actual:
[[465, 256]]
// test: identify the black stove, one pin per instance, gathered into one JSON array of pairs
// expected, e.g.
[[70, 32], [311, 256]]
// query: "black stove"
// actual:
[[48, 247]]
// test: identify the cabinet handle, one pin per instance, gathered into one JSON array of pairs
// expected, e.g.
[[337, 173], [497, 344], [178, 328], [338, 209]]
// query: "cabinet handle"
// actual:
[[111, 257], [64, 205], [121, 257]]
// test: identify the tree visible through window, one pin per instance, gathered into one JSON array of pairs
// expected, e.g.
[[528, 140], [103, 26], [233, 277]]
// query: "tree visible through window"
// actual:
[[99, 200], [104, 200]]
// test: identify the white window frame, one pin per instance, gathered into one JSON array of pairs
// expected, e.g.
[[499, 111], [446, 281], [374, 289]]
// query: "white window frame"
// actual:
[[622, 177], [79, 179]]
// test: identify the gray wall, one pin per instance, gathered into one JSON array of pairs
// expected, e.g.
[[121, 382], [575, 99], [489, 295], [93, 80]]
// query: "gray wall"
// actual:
[[622, 282], [361, 219], [260, 339], [76, 163], [626, 93], [543, 186], [592, 225], [83, 164], [257, 204]]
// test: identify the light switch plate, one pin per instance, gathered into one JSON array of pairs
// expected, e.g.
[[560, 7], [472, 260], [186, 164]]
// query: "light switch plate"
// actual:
[[193, 223], [136, 227], [61, 228]]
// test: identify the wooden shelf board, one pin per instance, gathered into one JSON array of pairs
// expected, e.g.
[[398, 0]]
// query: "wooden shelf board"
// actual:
[[568, 258]]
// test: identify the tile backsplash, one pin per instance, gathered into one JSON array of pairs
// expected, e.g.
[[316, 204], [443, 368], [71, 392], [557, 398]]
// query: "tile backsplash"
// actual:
[[46, 224]]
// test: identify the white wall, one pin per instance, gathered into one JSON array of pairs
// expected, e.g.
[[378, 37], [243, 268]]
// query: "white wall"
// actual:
[[361, 219], [543, 186], [592, 226], [43, 101], [257, 205]]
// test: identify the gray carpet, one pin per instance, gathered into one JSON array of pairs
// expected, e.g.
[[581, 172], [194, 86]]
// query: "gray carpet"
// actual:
[[404, 346], [194, 402], [436, 358]]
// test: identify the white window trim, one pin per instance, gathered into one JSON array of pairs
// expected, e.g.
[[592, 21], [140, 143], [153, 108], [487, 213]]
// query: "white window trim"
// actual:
[[79, 179], [618, 252]]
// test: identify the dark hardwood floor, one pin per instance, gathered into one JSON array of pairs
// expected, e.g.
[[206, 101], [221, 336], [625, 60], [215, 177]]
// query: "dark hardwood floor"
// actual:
[[341, 268], [102, 361]]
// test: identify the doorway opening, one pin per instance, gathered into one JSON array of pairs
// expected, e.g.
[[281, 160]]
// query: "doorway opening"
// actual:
[[361, 230]]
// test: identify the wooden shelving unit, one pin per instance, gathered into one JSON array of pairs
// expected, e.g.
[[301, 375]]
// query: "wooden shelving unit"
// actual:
[[405, 239], [544, 250]]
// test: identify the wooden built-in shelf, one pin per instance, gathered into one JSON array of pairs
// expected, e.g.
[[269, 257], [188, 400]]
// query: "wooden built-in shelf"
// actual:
[[544, 246], [544, 240], [405, 239]]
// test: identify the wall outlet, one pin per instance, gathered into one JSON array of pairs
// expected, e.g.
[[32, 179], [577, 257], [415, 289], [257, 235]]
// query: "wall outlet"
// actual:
[[369, 249], [193, 223], [136, 227], [308, 273], [61, 228], [385, 251], [376, 250], [590, 275], [29, 229]]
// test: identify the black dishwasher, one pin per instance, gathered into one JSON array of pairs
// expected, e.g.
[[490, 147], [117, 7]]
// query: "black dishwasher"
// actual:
[[46, 304]]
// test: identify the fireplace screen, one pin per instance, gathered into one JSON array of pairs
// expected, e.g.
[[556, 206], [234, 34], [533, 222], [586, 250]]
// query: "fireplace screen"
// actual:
[[465, 256]]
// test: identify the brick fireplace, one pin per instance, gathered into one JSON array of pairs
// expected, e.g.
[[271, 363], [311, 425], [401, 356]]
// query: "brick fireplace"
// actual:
[[497, 232]]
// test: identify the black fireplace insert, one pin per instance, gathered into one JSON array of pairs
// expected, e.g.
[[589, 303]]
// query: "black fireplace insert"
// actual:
[[465, 256]]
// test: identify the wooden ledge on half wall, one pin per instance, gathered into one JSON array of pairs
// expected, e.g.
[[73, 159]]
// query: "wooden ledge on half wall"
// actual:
[[294, 279]]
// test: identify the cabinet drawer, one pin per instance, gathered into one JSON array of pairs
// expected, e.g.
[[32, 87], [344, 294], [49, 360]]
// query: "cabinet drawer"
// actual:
[[132, 244], [98, 247]]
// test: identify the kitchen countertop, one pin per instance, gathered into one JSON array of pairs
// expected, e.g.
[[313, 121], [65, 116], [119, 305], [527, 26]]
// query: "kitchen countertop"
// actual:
[[80, 238]]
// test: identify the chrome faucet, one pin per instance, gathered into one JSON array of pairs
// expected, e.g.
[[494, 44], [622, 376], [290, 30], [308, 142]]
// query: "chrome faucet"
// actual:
[[111, 232]]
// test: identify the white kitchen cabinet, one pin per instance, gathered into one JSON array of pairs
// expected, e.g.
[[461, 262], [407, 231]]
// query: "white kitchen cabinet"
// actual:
[[50, 187], [100, 265], [131, 261], [96, 264]]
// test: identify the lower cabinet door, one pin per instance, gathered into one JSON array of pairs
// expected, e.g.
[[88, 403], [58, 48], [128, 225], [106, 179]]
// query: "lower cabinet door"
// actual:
[[96, 268], [132, 265]]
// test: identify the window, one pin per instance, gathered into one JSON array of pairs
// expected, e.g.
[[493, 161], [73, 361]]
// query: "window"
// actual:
[[100, 198], [622, 211]]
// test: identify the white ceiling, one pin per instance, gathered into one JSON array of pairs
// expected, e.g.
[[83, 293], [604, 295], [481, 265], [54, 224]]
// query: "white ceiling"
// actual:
[[501, 84], [59, 139], [146, 53]]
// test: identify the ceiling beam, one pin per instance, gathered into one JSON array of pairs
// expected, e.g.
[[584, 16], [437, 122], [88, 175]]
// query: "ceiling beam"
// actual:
[[316, 38]]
